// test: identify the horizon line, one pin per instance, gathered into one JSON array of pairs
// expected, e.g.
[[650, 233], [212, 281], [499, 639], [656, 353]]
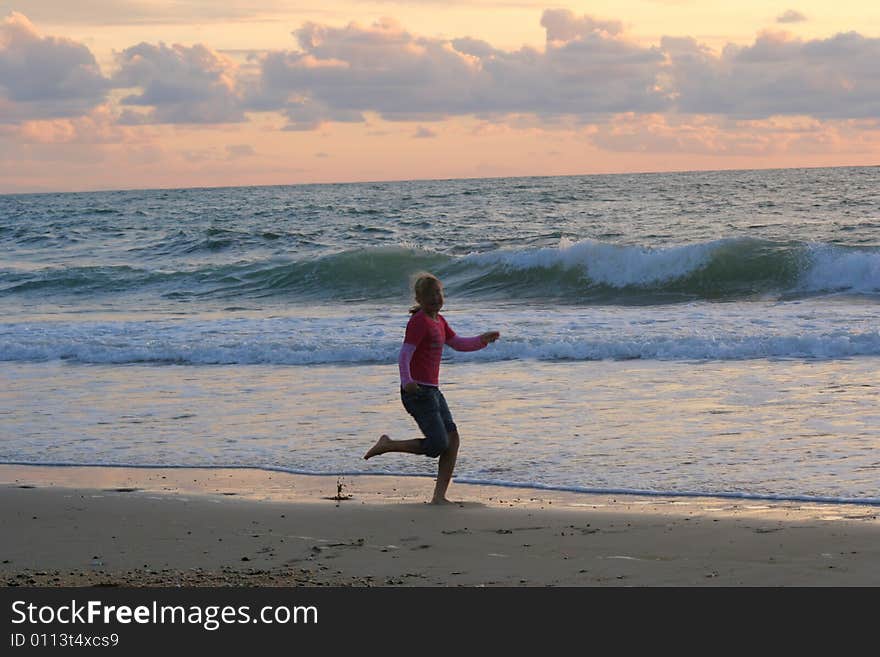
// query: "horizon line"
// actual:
[[439, 179]]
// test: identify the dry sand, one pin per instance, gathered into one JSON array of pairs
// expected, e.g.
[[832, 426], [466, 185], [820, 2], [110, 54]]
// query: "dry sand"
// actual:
[[193, 527]]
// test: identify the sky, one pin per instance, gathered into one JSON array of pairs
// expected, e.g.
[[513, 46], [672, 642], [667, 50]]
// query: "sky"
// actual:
[[128, 94]]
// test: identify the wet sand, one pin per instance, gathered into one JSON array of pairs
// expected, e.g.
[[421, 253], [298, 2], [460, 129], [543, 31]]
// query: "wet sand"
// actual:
[[190, 527]]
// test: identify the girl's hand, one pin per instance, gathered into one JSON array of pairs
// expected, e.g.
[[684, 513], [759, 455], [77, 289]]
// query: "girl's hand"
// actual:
[[411, 388], [490, 336]]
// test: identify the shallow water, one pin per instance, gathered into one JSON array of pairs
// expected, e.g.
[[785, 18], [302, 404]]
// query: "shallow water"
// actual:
[[764, 428]]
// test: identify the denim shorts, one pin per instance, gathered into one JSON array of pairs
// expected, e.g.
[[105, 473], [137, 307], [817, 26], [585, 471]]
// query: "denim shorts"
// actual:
[[429, 409]]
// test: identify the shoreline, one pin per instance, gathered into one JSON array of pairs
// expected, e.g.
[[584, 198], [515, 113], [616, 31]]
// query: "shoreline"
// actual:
[[523, 489], [83, 525]]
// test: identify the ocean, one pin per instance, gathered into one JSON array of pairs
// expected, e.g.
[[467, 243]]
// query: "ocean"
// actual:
[[702, 333]]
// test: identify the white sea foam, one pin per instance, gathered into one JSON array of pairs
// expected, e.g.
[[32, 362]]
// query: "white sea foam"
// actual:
[[836, 269], [820, 268], [689, 332], [610, 264]]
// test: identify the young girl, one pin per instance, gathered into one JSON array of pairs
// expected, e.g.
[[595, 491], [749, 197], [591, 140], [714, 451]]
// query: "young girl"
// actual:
[[419, 364]]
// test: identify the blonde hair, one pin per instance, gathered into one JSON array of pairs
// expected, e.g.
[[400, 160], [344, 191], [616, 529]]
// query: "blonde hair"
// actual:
[[421, 282]]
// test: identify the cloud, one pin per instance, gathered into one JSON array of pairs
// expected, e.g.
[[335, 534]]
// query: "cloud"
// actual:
[[563, 25], [179, 84], [707, 135], [588, 67], [778, 75], [97, 127], [425, 133], [655, 133], [45, 77], [791, 16], [589, 71]]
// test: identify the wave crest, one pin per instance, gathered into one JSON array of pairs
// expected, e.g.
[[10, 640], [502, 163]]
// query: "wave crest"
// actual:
[[585, 272]]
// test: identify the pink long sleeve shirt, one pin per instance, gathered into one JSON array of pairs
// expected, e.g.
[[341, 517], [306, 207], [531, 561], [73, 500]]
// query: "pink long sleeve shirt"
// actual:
[[422, 349]]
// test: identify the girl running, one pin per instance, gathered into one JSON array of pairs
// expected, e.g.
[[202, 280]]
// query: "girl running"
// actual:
[[419, 363]]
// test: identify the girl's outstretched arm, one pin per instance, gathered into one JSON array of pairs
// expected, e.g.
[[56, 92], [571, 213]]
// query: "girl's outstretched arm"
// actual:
[[473, 344]]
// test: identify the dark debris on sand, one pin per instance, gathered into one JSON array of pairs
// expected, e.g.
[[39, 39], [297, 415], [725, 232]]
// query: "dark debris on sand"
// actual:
[[193, 577]]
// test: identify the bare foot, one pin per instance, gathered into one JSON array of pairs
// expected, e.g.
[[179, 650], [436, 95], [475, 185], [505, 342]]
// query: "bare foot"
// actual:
[[380, 447], [442, 501]]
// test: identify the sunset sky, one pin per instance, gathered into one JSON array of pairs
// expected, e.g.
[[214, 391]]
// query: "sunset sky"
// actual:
[[120, 94]]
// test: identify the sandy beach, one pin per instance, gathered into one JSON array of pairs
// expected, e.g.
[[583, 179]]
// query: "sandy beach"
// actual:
[[76, 526]]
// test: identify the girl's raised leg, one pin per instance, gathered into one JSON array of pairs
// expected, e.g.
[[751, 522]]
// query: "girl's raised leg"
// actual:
[[385, 444]]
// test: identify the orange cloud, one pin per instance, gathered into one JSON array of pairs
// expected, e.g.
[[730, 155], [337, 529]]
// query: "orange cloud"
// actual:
[[705, 135], [98, 127]]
